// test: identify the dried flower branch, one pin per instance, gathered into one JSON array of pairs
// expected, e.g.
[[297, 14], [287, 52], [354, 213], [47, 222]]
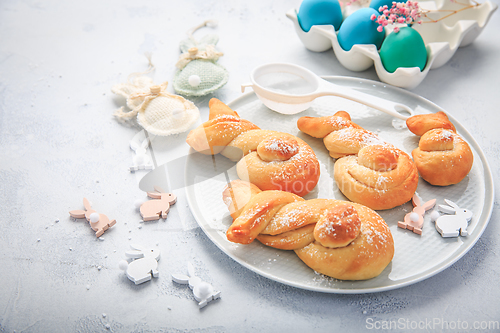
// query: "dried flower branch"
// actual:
[[470, 4], [410, 12], [400, 12]]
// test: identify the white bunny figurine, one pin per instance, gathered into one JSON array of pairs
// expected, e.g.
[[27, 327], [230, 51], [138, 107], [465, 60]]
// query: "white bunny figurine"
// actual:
[[141, 158], [453, 225], [203, 291], [144, 265], [415, 220]]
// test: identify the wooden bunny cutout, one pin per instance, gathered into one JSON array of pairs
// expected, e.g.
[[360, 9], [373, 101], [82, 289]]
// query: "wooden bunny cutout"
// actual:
[[98, 222], [142, 161], [154, 209], [144, 264], [415, 220], [453, 225], [203, 292]]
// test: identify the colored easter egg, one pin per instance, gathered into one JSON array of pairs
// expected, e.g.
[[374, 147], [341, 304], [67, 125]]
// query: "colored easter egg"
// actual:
[[376, 4], [319, 12], [405, 48], [358, 28]]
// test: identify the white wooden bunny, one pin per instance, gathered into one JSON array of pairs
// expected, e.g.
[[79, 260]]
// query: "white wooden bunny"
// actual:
[[144, 265], [142, 161], [415, 220], [203, 291], [452, 225]]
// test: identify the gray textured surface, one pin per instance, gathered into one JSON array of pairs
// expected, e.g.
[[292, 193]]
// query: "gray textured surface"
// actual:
[[59, 143]]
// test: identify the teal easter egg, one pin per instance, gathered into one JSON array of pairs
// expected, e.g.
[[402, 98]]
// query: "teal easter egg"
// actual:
[[358, 28], [376, 4], [405, 48], [318, 12]]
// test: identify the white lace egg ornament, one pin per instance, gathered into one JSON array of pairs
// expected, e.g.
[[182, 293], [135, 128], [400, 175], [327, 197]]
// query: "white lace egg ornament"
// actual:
[[157, 111]]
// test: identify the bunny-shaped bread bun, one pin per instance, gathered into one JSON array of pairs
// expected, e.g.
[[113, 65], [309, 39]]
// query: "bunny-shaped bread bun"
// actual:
[[159, 207], [443, 158], [142, 161], [98, 222], [203, 292], [144, 264], [271, 160], [368, 170], [415, 220], [453, 225], [341, 239]]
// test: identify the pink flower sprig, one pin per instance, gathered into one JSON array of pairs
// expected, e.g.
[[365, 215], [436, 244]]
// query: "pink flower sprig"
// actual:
[[400, 12]]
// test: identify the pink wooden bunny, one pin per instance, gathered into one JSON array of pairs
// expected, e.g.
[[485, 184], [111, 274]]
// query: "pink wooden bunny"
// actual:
[[98, 222], [154, 209], [415, 220]]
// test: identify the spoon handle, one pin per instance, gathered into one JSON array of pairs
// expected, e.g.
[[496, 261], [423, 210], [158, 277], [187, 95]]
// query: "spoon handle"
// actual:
[[392, 108]]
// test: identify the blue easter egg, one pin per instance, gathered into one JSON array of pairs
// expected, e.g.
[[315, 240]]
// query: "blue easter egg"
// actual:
[[376, 4], [319, 12], [358, 28]]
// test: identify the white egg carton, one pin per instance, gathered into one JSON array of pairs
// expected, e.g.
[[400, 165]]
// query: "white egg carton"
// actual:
[[441, 39]]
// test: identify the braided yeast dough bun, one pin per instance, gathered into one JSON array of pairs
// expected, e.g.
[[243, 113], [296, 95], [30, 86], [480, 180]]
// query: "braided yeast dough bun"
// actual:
[[442, 157], [269, 159], [368, 170], [344, 240], [379, 176]]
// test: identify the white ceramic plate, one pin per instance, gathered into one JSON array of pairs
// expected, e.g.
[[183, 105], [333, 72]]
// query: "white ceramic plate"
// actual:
[[416, 257]]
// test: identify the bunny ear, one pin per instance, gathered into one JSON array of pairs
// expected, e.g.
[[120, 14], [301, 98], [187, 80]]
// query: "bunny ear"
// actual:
[[77, 214], [190, 269], [447, 209], [429, 204], [159, 189], [86, 204], [145, 143], [180, 278], [137, 247], [210, 39], [134, 254], [133, 145], [416, 200], [188, 43], [452, 204], [154, 195]]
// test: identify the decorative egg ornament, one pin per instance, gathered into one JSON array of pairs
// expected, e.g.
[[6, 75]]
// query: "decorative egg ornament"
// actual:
[[405, 48], [319, 12], [359, 28]]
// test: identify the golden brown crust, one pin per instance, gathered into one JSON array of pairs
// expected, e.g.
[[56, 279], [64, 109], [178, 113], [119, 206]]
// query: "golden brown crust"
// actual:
[[217, 108], [349, 141], [443, 158], [422, 123], [299, 174], [364, 258], [271, 160], [375, 185], [343, 240], [338, 226], [257, 214], [322, 126], [237, 195], [368, 170], [207, 138]]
